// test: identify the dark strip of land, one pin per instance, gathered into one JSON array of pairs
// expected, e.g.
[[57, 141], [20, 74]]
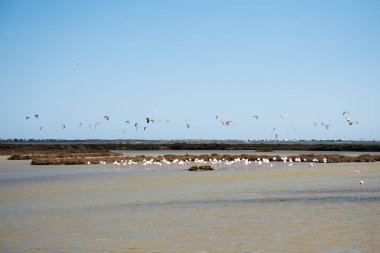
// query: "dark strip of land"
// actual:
[[70, 154], [330, 158], [32, 148]]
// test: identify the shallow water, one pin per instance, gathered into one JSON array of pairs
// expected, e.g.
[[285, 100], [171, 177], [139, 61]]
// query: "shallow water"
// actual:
[[236, 208], [236, 152]]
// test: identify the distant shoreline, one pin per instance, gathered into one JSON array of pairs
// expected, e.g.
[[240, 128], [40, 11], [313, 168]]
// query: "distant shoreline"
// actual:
[[9, 148], [185, 141]]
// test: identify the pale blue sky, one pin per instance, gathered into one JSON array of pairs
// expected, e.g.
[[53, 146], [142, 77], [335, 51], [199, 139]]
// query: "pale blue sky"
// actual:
[[189, 61]]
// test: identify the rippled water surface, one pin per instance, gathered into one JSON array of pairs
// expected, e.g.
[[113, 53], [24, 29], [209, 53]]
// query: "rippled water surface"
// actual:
[[235, 208]]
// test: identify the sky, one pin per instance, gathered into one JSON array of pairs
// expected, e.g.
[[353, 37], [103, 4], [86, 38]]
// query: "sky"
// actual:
[[74, 62]]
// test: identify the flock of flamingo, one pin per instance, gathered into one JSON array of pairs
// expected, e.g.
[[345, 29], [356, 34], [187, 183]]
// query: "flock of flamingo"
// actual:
[[222, 122], [221, 163]]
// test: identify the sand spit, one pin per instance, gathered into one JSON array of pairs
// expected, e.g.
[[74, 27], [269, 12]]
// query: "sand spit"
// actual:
[[334, 158], [72, 154]]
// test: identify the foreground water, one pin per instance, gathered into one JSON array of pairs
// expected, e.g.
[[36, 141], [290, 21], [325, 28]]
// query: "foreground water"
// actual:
[[168, 209]]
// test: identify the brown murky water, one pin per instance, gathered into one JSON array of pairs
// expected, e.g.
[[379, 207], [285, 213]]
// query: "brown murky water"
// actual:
[[168, 209]]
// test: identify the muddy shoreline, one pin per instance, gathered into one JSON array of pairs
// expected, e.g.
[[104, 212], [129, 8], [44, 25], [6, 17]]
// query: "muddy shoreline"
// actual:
[[335, 158], [73, 154]]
